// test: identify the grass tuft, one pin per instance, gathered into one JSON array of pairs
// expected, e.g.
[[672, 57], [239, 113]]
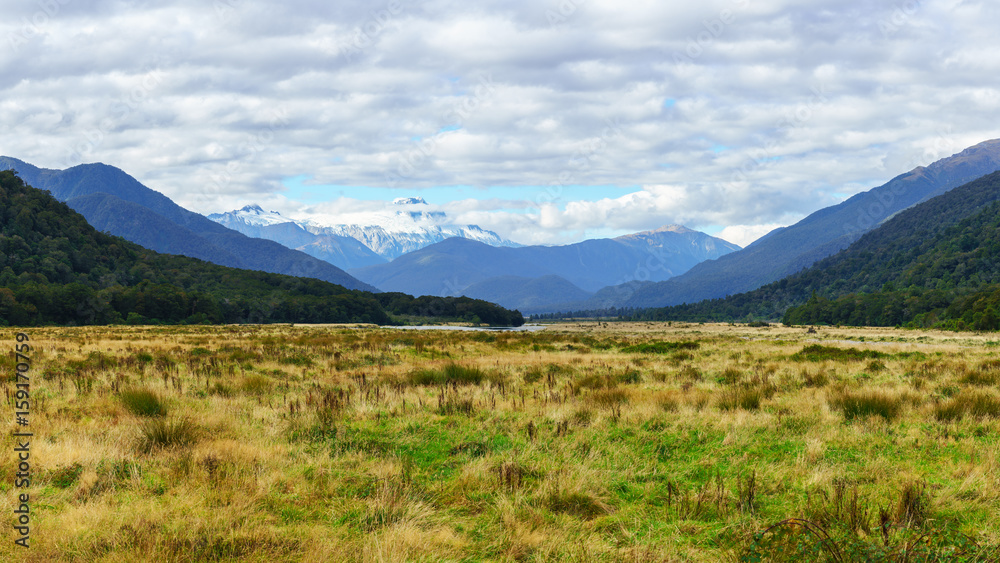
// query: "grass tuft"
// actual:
[[855, 404], [161, 434], [143, 402]]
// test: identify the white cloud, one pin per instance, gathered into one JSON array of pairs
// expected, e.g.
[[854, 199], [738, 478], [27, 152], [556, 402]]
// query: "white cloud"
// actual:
[[776, 106]]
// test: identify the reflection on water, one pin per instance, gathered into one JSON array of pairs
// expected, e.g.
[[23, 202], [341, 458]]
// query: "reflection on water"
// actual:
[[522, 328]]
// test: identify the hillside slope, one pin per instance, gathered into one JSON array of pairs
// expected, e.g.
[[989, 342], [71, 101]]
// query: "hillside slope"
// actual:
[[821, 234], [191, 234], [913, 268], [55, 268]]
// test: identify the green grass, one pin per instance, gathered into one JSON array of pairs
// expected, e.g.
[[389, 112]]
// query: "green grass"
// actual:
[[143, 402]]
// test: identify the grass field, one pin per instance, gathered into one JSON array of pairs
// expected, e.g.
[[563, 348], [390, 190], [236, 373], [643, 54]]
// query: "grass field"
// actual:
[[583, 442]]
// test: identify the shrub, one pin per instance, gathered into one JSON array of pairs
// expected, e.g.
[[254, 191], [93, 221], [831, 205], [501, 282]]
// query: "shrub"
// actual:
[[143, 402], [866, 403]]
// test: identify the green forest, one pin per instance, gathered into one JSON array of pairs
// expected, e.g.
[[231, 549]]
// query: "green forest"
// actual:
[[57, 269]]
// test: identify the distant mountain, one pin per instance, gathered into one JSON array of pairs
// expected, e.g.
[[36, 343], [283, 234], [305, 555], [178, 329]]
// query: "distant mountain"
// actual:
[[341, 251], [454, 265], [115, 202], [524, 294], [934, 264], [825, 232], [379, 236]]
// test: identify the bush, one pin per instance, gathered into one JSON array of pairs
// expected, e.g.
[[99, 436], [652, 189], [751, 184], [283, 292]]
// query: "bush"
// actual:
[[143, 402]]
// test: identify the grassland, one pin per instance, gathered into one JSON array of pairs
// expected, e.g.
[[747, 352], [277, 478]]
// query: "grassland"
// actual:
[[583, 442]]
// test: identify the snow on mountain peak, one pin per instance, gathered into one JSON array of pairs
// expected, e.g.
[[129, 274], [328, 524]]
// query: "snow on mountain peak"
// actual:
[[252, 214], [409, 201]]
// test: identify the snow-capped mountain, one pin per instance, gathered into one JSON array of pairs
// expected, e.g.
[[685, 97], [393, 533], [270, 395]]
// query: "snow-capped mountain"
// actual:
[[354, 240]]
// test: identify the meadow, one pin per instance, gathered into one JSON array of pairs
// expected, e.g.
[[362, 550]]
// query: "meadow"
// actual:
[[583, 442]]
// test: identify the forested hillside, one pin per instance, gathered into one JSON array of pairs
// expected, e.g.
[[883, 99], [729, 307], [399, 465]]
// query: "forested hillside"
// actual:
[[57, 269]]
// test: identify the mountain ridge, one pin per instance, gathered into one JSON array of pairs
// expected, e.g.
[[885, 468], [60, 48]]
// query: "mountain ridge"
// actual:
[[785, 251], [217, 245]]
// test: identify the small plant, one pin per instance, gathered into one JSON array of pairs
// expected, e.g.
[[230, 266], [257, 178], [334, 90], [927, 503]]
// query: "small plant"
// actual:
[[912, 509], [143, 402], [65, 477]]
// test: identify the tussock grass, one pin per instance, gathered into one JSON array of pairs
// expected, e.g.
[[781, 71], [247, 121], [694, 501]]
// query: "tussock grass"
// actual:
[[973, 403], [162, 433], [143, 402], [865, 403], [357, 444]]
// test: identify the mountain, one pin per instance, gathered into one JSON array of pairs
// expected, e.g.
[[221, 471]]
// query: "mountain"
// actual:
[[341, 251], [825, 232], [934, 264], [115, 202], [524, 294], [378, 236], [55, 268], [454, 265]]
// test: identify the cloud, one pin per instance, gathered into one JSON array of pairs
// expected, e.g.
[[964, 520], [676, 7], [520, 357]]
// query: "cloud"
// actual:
[[776, 108]]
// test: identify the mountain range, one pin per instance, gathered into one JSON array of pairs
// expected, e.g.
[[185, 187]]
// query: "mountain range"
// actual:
[[530, 277], [934, 264], [369, 238], [789, 250], [55, 268], [117, 203]]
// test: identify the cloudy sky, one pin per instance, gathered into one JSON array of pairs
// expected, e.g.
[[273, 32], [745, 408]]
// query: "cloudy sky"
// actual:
[[546, 121]]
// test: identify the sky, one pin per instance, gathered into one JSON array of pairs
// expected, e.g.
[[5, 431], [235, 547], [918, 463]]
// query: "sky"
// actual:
[[546, 121]]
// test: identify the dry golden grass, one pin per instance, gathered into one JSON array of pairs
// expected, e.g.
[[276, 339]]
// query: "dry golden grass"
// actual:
[[585, 442]]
